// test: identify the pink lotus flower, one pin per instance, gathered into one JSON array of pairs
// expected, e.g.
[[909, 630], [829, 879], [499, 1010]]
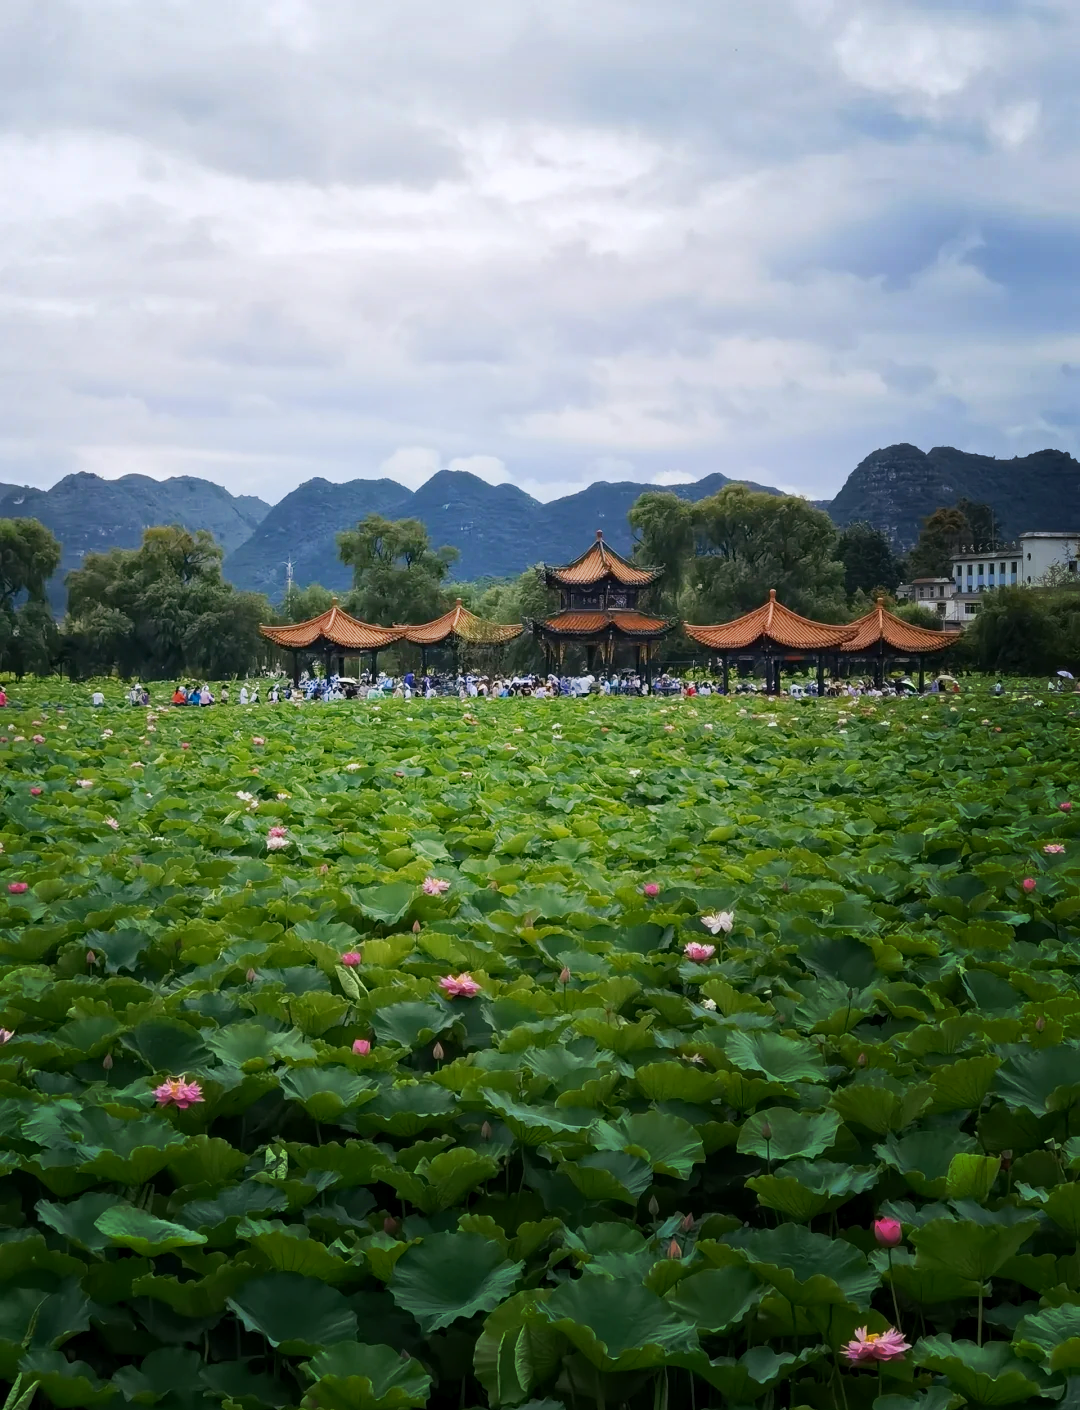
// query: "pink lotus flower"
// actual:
[[1054, 848], [435, 886], [351, 958], [179, 1091], [185, 746], [6, 1035], [875, 1346], [1029, 883], [257, 739], [361, 1047], [111, 822], [698, 952], [17, 887], [84, 782], [39, 739], [668, 729], [459, 986], [275, 844], [1065, 807], [35, 793], [650, 889], [719, 920], [277, 831], [888, 1232]]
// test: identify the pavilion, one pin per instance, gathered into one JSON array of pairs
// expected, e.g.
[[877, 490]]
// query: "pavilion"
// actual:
[[598, 595], [880, 636], [331, 634], [456, 628], [777, 634]]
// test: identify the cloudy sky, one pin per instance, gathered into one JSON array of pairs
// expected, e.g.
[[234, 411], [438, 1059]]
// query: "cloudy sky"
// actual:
[[550, 241]]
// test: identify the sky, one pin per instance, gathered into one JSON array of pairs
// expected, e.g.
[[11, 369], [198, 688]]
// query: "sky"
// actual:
[[547, 241]]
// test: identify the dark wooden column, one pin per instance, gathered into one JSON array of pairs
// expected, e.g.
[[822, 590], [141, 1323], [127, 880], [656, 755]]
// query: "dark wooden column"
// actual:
[[374, 664], [922, 673], [724, 670], [296, 668], [820, 675]]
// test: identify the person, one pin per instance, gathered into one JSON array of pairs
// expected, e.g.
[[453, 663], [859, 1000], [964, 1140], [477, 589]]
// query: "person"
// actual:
[[133, 694], [273, 696], [410, 681], [97, 699], [144, 696], [205, 698], [178, 696], [998, 688], [244, 694], [254, 697], [3, 697], [225, 692]]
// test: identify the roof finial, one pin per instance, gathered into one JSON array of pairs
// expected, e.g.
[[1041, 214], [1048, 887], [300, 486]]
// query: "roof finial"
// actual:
[[772, 594], [333, 601], [599, 533], [459, 602], [881, 602]]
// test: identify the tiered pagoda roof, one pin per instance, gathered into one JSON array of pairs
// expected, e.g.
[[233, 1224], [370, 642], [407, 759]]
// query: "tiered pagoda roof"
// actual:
[[772, 624], [333, 628], [463, 625], [622, 622], [880, 630], [600, 561]]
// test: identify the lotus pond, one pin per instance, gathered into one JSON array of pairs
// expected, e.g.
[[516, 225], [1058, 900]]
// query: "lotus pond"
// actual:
[[548, 1054]]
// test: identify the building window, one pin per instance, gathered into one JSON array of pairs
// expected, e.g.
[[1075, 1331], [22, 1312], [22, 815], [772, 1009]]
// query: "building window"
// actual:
[[941, 609], [1072, 565], [941, 592], [1029, 558], [970, 569], [1003, 570], [981, 567], [970, 608], [1013, 567]]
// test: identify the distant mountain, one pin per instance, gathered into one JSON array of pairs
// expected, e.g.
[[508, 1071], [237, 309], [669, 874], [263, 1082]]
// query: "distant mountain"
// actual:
[[896, 488], [88, 514], [498, 529]]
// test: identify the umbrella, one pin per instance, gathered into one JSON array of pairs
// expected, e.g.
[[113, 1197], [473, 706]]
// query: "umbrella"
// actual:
[[1067, 674], [347, 680], [951, 679]]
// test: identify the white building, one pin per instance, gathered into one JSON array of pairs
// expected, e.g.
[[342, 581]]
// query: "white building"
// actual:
[[933, 593], [1025, 563]]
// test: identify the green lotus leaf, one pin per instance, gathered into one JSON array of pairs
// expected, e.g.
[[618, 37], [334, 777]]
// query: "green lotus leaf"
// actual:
[[76, 1219], [1063, 1207], [802, 1189], [66, 1383], [972, 1176], [984, 1375], [443, 1181], [779, 1133], [450, 1276], [924, 1157], [969, 1250], [206, 1160], [963, 1085], [756, 1371], [219, 1217], [630, 1332], [1051, 1337], [168, 1046], [807, 1268], [351, 1376], [609, 1175], [128, 1227], [669, 1144], [386, 904], [411, 1022], [290, 1248], [325, 1092], [778, 1058], [517, 1351], [717, 1299], [880, 1104], [1040, 1080], [158, 1375], [406, 1109], [536, 1124], [237, 1382], [300, 1315]]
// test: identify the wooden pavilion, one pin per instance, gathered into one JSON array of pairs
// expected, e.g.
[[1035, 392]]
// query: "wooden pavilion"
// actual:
[[776, 634], [598, 595], [880, 636], [456, 628], [331, 634]]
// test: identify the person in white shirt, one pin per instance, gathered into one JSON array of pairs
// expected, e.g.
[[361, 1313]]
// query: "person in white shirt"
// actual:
[[97, 699], [243, 695]]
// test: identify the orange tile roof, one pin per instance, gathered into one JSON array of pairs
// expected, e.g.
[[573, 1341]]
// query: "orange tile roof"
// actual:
[[774, 622], [881, 628], [463, 624], [336, 628], [590, 623], [599, 562]]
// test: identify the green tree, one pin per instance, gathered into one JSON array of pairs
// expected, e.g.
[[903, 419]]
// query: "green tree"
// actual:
[[982, 535], [868, 559], [918, 616], [29, 555], [944, 533], [162, 610], [749, 542], [1015, 632], [397, 576], [301, 604], [663, 526]]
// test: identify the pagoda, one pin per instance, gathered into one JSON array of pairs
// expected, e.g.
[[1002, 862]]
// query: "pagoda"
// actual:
[[598, 609], [332, 634], [456, 628], [775, 634], [881, 636]]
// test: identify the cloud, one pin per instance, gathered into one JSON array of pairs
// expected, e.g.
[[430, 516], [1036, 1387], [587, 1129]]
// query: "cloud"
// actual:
[[543, 243]]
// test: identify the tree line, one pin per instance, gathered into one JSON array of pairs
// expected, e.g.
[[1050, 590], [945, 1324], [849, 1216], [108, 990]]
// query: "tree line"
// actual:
[[165, 611]]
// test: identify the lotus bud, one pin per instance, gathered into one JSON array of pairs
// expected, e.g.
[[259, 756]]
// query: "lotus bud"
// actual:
[[888, 1232], [416, 927], [106, 1062], [91, 958], [861, 1059], [323, 869], [250, 976], [766, 1131], [493, 885], [654, 1206], [1040, 1023], [564, 975], [390, 1225], [673, 1249], [686, 1223], [1006, 1160], [485, 1131], [785, 887], [437, 1052], [1029, 883]]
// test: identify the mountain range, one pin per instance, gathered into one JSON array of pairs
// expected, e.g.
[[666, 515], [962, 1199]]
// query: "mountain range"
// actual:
[[499, 529]]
